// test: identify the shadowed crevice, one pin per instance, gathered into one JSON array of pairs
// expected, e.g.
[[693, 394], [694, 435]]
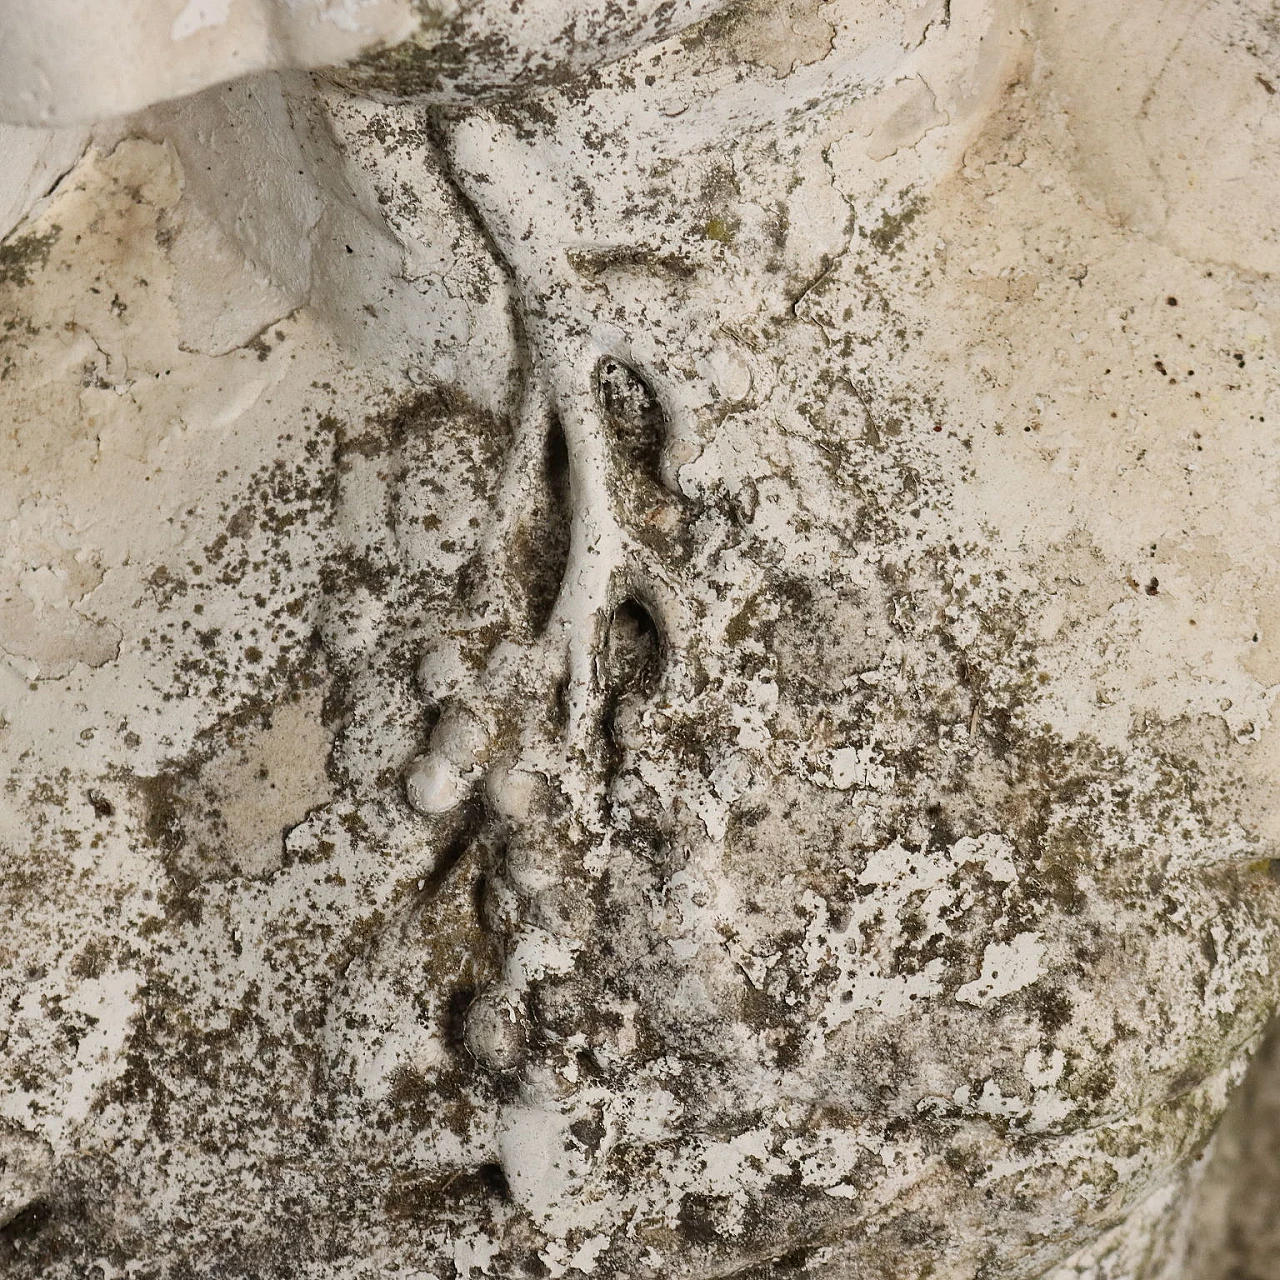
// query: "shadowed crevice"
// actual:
[[543, 538], [630, 667], [634, 416]]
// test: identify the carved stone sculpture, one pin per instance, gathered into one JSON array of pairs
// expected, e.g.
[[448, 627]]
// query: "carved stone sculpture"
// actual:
[[637, 641]]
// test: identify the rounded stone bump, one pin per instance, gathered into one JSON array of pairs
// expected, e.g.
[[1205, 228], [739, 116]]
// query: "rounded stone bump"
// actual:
[[460, 737], [512, 792], [529, 867], [434, 785], [437, 782], [494, 1033]]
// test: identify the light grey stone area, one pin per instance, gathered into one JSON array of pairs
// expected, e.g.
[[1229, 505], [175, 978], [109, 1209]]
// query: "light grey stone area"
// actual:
[[640, 641]]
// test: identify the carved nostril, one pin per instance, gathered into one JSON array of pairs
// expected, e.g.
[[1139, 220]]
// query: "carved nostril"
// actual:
[[541, 545], [635, 416]]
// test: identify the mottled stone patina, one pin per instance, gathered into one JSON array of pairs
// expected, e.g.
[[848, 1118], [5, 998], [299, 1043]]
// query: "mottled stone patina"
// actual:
[[639, 642]]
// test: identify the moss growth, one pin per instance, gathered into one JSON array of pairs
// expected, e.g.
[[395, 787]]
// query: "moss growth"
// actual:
[[720, 229], [21, 255], [887, 235]]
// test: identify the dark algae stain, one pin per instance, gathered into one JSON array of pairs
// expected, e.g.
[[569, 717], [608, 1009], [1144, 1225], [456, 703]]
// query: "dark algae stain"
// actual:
[[21, 255], [887, 235]]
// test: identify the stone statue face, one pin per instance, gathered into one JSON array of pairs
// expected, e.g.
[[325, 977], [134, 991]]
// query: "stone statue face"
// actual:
[[795, 649]]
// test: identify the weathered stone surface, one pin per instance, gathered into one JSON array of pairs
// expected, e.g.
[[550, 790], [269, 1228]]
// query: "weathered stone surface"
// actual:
[[647, 656]]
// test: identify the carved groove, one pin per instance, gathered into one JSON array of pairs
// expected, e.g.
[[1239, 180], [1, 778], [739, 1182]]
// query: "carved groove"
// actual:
[[542, 542], [469, 823]]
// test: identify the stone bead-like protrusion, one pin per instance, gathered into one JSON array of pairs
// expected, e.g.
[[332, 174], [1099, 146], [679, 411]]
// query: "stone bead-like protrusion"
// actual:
[[495, 1032], [434, 785], [437, 782]]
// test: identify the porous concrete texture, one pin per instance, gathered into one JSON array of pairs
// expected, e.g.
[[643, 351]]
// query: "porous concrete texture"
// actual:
[[640, 642]]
